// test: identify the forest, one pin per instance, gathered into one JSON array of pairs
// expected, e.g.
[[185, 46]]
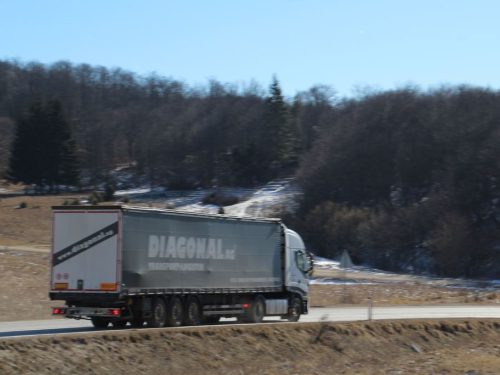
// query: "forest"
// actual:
[[405, 179]]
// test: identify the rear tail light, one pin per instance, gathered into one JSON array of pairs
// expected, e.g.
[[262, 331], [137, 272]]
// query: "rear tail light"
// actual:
[[114, 312], [57, 311], [246, 305]]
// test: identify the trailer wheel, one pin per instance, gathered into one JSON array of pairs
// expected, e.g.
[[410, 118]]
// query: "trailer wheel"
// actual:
[[136, 322], [295, 309], [98, 322], [119, 323], [159, 318], [192, 312], [175, 312], [255, 313]]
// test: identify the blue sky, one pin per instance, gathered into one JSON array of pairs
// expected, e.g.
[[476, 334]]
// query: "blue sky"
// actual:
[[346, 44]]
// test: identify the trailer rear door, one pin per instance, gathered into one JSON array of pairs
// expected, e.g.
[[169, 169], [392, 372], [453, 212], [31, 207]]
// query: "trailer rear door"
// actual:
[[85, 250]]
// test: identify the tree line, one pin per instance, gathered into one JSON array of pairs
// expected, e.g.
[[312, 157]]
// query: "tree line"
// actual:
[[169, 134], [404, 179]]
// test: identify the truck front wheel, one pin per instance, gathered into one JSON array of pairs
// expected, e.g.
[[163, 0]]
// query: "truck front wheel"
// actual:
[[159, 318], [98, 322], [175, 312], [295, 309]]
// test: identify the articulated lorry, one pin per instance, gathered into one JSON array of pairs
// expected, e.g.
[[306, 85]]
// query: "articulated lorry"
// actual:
[[121, 264]]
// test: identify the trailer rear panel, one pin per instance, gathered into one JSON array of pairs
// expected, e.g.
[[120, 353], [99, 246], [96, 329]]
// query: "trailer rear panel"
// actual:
[[86, 250]]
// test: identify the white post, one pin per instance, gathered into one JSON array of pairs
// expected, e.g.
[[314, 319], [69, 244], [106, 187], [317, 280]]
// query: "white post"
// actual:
[[345, 291], [370, 308]]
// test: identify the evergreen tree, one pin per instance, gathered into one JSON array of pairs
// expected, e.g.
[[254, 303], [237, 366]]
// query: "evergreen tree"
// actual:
[[43, 151], [27, 156], [62, 163], [278, 137]]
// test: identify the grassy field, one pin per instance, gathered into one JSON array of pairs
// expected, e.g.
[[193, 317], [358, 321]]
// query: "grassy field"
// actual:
[[30, 226], [397, 347]]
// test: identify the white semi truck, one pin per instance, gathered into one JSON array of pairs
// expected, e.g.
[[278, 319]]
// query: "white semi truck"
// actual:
[[120, 264]]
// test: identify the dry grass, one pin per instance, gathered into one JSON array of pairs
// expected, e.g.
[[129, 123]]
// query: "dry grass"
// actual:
[[428, 347], [24, 278], [399, 294], [31, 226]]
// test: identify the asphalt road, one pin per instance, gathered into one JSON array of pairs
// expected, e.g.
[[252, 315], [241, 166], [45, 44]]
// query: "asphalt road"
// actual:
[[337, 314]]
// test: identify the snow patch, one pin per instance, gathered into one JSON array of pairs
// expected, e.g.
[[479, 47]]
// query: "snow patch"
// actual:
[[253, 202]]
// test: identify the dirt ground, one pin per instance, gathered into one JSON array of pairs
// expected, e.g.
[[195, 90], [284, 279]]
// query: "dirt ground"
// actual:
[[29, 226], [400, 347], [400, 294]]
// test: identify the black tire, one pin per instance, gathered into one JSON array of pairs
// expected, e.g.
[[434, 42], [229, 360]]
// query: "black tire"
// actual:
[[211, 319], [98, 322], [159, 318], [136, 322], [175, 312], [295, 309], [192, 312], [256, 312], [119, 323]]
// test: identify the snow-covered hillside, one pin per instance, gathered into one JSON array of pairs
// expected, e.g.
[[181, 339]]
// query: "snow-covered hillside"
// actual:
[[257, 202]]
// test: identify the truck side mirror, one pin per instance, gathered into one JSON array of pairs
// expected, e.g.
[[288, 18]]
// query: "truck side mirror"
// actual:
[[310, 262]]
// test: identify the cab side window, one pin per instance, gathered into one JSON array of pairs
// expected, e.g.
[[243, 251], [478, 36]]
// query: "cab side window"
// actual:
[[300, 260]]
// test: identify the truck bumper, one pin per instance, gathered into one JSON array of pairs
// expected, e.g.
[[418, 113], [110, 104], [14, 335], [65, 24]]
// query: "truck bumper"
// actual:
[[87, 312]]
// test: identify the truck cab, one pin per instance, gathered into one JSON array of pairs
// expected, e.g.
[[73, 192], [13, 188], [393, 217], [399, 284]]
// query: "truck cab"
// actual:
[[299, 264]]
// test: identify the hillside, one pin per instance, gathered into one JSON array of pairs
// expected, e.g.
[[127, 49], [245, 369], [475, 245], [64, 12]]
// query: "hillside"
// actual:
[[27, 272], [405, 179], [398, 347], [346, 348]]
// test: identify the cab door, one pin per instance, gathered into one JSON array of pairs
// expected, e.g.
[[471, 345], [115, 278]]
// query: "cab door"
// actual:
[[297, 262]]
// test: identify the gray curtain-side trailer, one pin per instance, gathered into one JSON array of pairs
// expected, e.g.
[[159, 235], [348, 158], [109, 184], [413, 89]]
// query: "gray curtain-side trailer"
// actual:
[[120, 264]]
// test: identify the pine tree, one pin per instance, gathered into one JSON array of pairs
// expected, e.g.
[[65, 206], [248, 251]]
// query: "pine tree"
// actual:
[[62, 166], [43, 151], [27, 156], [278, 137]]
